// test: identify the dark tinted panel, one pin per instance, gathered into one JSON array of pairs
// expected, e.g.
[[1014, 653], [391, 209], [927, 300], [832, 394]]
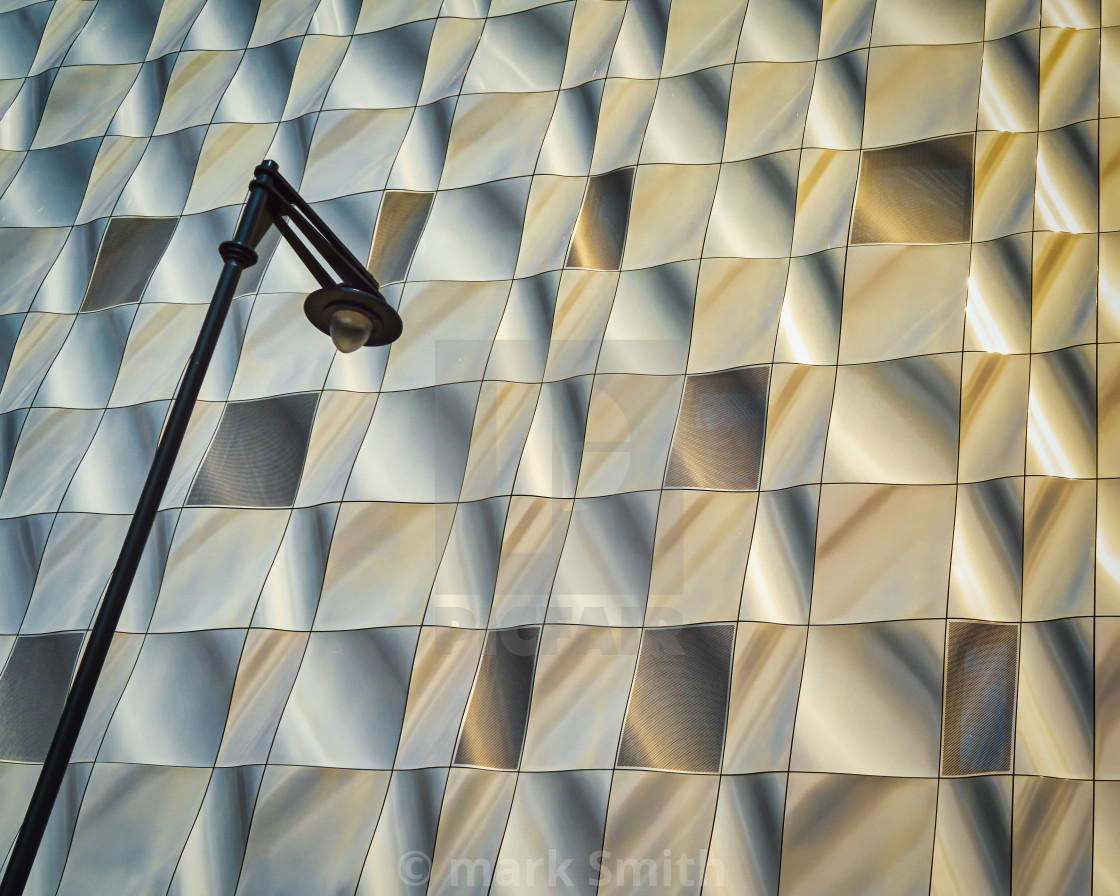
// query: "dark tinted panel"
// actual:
[[677, 714], [33, 688], [717, 443], [130, 251], [256, 458], [980, 666], [918, 193], [400, 221], [601, 229], [494, 727]]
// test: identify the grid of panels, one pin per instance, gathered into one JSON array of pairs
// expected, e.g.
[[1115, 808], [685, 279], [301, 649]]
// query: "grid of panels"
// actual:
[[895, 221]]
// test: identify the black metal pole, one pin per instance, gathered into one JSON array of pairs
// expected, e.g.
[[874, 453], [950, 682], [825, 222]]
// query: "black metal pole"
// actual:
[[237, 255]]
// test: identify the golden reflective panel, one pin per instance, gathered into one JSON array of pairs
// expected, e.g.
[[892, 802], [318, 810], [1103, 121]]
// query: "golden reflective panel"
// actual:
[[739, 512]]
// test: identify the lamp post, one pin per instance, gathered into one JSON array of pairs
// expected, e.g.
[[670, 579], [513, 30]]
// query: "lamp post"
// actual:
[[350, 309]]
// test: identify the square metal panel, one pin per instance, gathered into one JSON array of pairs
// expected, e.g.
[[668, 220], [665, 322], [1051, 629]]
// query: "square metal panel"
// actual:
[[33, 688], [494, 726], [980, 664], [677, 716], [916, 193], [130, 251], [400, 221], [256, 458], [720, 430], [601, 228]]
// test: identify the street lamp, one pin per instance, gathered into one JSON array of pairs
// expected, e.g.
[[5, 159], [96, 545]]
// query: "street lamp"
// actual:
[[348, 307]]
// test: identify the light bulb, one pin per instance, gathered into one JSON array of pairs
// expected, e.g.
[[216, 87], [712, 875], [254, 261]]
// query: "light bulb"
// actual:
[[350, 329]]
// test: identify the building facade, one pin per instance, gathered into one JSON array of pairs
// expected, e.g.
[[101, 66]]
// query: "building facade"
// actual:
[[739, 512]]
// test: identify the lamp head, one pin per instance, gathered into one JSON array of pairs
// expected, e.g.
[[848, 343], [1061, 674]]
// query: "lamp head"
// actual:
[[353, 317]]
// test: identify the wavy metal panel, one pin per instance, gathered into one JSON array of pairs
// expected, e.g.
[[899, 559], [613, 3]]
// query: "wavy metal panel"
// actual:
[[791, 326]]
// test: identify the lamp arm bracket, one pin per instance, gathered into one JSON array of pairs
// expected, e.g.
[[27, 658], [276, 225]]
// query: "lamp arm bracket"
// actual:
[[283, 201]]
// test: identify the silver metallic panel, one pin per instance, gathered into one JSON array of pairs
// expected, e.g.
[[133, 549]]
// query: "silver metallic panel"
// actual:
[[748, 291], [972, 847], [110, 476], [628, 431], [464, 584], [919, 92], [1057, 522], [476, 805], [895, 421], [429, 464], [531, 546], [747, 835], [649, 813], [220, 591], [174, 708], [74, 570], [837, 730], [291, 589], [382, 564], [303, 814], [779, 574], [1055, 717], [346, 706], [268, 666], [443, 671], [766, 673], [986, 578], [83, 371], [405, 830], [647, 330], [555, 823], [22, 542], [1051, 836], [699, 552], [882, 552], [604, 571], [212, 857], [857, 835], [582, 685], [117, 808], [903, 300]]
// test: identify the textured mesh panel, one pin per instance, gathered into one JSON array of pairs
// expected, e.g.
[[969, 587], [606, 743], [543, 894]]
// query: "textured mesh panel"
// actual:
[[257, 455], [918, 193], [400, 221], [678, 709], [494, 726], [718, 440], [601, 229], [980, 665], [32, 690], [130, 251]]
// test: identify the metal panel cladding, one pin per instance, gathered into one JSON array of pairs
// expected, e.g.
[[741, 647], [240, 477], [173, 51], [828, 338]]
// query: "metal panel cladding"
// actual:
[[781, 333]]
